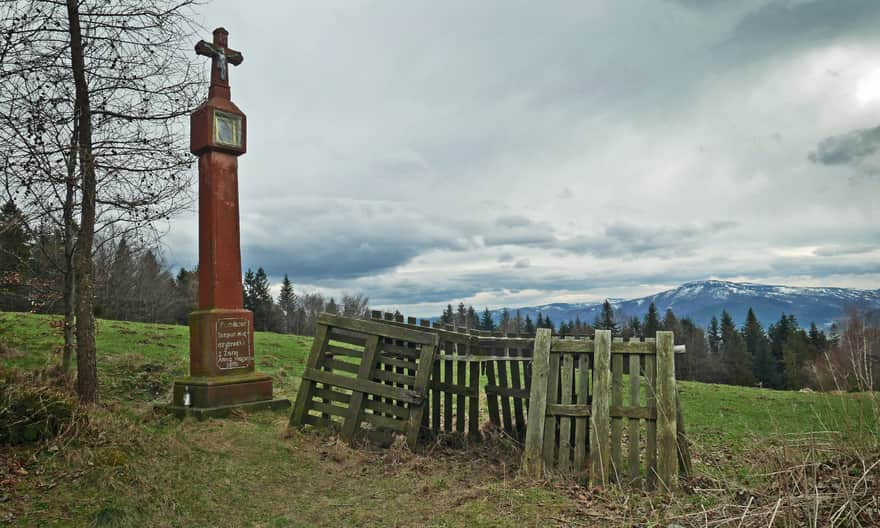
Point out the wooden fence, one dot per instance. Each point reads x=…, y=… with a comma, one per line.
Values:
x=578, y=393
x=579, y=405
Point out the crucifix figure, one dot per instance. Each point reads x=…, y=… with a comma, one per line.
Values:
x=221, y=55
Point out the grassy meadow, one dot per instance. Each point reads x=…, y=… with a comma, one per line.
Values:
x=761, y=457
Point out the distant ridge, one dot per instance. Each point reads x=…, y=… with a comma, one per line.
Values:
x=700, y=300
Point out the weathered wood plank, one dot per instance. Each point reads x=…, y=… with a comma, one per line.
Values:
x=360, y=385
x=567, y=381
x=368, y=364
x=395, y=362
x=447, y=396
x=349, y=338
x=533, y=453
x=460, y=411
x=390, y=409
x=306, y=387
x=492, y=394
x=344, y=366
x=506, y=416
x=582, y=424
x=516, y=384
x=667, y=438
x=377, y=328
x=616, y=423
x=551, y=423
x=332, y=410
x=423, y=376
x=394, y=377
x=392, y=350
x=508, y=391
x=633, y=423
x=577, y=346
x=600, y=432
x=651, y=426
x=332, y=395
x=474, y=401
x=332, y=350
x=435, y=397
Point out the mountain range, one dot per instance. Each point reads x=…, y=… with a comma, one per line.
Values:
x=701, y=300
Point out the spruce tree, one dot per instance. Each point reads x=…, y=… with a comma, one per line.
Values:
x=713, y=336
x=734, y=356
x=249, y=291
x=670, y=322
x=605, y=320
x=528, y=326
x=287, y=304
x=461, y=317
x=758, y=346
x=486, y=322
x=652, y=322
x=446, y=318
x=540, y=322
x=473, y=320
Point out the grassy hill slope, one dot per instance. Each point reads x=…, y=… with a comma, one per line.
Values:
x=130, y=467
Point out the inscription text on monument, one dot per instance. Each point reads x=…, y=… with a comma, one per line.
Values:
x=233, y=343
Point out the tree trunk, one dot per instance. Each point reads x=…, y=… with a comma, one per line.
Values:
x=86, y=361
x=69, y=257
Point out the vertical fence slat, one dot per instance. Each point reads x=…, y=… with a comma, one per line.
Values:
x=474, y=402
x=551, y=422
x=634, y=387
x=356, y=404
x=505, y=400
x=532, y=457
x=426, y=359
x=447, y=395
x=565, y=422
x=492, y=399
x=516, y=383
x=461, y=384
x=582, y=423
x=616, y=423
x=651, y=424
x=600, y=431
x=667, y=455
x=435, y=397
x=307, y=387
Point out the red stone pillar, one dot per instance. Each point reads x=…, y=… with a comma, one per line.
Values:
x=222, y=374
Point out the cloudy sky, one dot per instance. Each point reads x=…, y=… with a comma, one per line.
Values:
x=518, y=152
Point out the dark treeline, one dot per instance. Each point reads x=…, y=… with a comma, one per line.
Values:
x=782, y=356
x=133, y=283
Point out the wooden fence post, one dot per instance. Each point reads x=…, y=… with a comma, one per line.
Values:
x=600, y=432
x=667, y=446
x=532, y=457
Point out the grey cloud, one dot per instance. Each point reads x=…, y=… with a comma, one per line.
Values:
x=518, y=230
x=523, y=264
x=851, y=148
x=620, y=239
x=834, y=251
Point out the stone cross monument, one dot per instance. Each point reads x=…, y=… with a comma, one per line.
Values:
x=221, y=348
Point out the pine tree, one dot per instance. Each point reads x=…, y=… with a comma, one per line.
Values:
x=734, y=356
x=670, y=322
x=779, y=333
x=635, y=325
x=652, y=322
x=713, y=335
x=528, y=326
x=263, y=303
x=795, y=354
x=605, y=320
x=473, y=320
x=486, y=322
x=287, y=304
x=505, y=321
x=518, y=323
x=540, y=322
x=549, y=324
x=461, y=317
x=758, y=346
x=249, y=291
x=446, y=318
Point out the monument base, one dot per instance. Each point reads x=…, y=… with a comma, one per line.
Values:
x=222, y=411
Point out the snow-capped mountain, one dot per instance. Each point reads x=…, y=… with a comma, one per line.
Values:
x=702, y=299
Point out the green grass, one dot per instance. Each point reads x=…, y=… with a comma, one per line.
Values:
x=134, y=468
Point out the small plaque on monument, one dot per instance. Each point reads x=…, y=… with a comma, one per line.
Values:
x=233, y=344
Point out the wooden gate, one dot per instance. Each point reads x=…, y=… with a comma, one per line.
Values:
x=577, y=409
x=364, y=372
